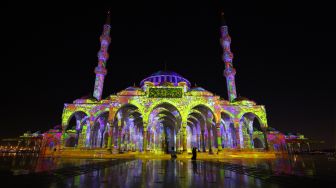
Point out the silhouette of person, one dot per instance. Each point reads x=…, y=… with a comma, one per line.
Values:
x=194, y=154
x=173, y=153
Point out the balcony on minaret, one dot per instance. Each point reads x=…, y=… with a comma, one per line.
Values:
x=229, y=72
x=100, y=70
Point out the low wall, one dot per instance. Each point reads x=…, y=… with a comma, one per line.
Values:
x=104, y=153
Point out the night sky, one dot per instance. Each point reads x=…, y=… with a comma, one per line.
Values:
x=282, y=54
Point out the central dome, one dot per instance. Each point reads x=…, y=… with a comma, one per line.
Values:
x=161, y=77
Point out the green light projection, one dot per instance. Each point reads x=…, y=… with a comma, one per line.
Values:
x=165, y=93
x=183, y=101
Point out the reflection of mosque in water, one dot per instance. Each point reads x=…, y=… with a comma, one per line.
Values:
x=184, y=173
x=165, y=112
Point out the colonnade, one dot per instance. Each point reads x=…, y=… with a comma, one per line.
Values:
x=127, y=131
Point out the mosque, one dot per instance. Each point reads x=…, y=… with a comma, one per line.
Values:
x=165, y=112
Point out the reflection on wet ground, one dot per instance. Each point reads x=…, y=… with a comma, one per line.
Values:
x=65, y=172
x=32, y=163
x=299, y=165
x=164, y=173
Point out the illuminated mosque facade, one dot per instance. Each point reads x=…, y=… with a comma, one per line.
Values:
x=165, y=111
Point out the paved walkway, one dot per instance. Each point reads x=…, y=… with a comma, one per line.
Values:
x=162, y=173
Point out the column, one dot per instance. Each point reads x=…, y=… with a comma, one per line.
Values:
x=202, y=140
x=78, y=131
x=265, y=137
x=198, y=141
x=246, y=135
x=82, y=137
x=210, y=140
x=119, y=138
x=183, y=132
x=144, y=138
x=177, y=142
x=87, y=134
x=63, y=138
x=91, y=138
x=175, y=139
x=250, y=127
x=184, y=139
x=110, y=141
x=110, y=138
x=181, y=140
x=79, y=139
x=219, y=137
x=237, y=132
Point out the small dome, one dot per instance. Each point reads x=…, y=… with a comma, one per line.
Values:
x=197, y=89
x=241, y=99
x=86, y=99
x=244, y=101
x=158, y=73
x=162, y=77
x=131, y=91
x=133, y=88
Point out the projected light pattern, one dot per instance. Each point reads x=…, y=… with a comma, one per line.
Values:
x=165, y=112
x=133, y=121
x=229, y=71
x=103, y=55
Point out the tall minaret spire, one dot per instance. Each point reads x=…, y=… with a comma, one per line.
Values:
x=103, y=55
x=229, y=71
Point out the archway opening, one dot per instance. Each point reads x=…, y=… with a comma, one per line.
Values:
x=250, y=128
x=164, y=131
x=99, y=131
x=127, y=129
x=74, y=128
x=227, y=131
x=258, y=144
x=71, y=141
x=204, y=134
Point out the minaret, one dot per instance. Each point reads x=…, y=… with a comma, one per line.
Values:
x=103, y=55
x=229, y=71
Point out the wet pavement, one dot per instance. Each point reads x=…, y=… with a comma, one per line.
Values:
x=32, y=163
x=153, y=173
x=187, y=173
x=62, y=172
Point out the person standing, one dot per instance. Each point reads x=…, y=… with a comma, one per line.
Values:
x=194, y=154
x=173, y=153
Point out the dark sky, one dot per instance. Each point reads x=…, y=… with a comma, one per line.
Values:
x=282, y=54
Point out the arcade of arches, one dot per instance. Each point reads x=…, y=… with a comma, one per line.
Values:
x=125, y=128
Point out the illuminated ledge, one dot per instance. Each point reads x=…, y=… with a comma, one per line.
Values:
x=104, y=154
